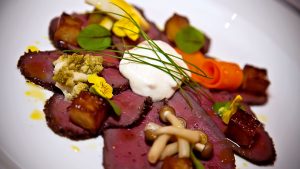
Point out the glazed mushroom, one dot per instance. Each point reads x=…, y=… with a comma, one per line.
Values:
x=206, y=150
x=158, y=145
x=149, y=131
x=167, y=114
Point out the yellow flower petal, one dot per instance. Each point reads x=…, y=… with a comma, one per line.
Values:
x=118, y=29
x=93, y=78
x=100, y=86
x=107, y=23
x=126, y=27
x=227, y=113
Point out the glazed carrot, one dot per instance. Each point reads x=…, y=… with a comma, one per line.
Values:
x=222, y=75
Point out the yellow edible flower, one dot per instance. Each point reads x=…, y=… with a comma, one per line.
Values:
x=125, y=27
x=228, y=112
x=107, y=23
x=100, y=86
x=116, y=9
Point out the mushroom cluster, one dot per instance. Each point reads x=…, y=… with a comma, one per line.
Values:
x=176, y=138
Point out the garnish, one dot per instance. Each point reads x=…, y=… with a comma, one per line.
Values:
x=223, y=75
x=107, y=23
x=70, y=72
x=124, y=27
x=100, y=87
x=189, y=39
x=32, y=48
x=174, y=24
x=94, y=37
x=226, y=109
x=197, y=163
x=117, y=9
x=185, y=138
x=103, y=89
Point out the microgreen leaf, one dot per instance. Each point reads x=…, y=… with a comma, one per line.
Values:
x=216, y=107
x=115, y=107
x=94, y=37
x=189, y=39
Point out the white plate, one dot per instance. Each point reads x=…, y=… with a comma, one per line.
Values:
x=263, y=33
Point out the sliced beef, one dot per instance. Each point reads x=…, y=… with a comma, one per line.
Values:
x=128, y=149
x=58, y=119
x=115, y=79
x=133, y=108
x=197, y=119
x=248, y=98
x=37, y=67
x=262, y=150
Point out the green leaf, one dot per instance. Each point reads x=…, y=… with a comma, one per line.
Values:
x=94, y=37
x=197, y=163
x=189, y=39
x=115, y=107
x=216, y=107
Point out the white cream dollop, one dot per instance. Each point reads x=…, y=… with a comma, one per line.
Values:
x=147, y=80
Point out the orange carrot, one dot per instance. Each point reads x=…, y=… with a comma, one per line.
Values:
x=222, y=75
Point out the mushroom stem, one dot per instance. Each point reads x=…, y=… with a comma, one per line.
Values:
x=157, y=147
x=184, y=148
x=199, y=147
x=167, y=114
x=183, y=145
x=193, y=136
x=169, y=150
x=174, y=120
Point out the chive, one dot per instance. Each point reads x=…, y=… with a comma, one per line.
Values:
x=197, y=163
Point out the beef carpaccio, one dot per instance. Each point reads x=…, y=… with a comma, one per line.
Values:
x=124, y=139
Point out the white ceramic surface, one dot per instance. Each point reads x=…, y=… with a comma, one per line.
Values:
x=263, y=33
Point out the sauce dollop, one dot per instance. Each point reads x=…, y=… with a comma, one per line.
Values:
x=148, y=80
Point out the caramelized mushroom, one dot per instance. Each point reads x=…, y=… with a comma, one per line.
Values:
x=149, y=131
